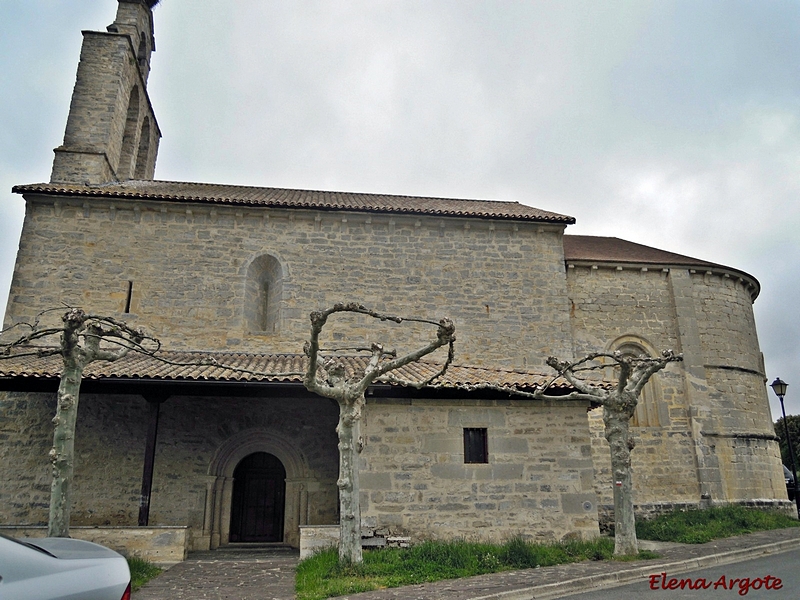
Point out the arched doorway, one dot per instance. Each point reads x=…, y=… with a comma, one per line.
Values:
x=300, y=485
x=258, y=502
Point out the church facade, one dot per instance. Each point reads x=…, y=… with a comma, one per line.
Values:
x=232, y=272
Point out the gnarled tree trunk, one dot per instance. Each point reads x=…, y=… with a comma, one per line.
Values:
x=62, y=453
x=80, y=338
x=619, y=404
x=349, y=394
x=348, y=431
x=617, y=413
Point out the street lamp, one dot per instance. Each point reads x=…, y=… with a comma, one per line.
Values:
x=779, y=387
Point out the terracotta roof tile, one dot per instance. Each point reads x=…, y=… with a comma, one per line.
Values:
x=594, y=249
x=278, y=368
x=287, y=198
x=611, y=249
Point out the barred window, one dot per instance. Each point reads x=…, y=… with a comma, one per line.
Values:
x=476, y=448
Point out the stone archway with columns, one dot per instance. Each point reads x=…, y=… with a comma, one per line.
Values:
x=219, y=484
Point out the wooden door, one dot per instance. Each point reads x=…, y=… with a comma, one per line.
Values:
x=259, y=490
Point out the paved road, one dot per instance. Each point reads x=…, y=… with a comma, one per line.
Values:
x=772, y=577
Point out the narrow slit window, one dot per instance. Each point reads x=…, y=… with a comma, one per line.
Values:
x=476, y=447
x=263, y=291
x=128, y=296
x=263, y=308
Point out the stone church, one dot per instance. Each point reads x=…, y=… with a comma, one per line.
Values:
x=232, y=272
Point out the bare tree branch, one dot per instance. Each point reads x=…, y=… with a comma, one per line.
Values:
x=7, y=347
x=445, y=335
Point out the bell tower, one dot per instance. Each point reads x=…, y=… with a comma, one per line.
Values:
x=112, y=133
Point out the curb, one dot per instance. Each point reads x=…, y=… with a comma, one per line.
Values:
x=611, y=580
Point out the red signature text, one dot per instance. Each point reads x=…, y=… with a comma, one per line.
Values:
x=741, y=584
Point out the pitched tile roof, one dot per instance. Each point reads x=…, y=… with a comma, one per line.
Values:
x=611, y=249
x=276, y=368
x=595, y=249
x=208, y=193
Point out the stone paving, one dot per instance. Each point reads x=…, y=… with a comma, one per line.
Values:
x=230, y=574
x=269, y=574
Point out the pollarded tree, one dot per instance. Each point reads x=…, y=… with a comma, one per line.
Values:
x=329, y=379
x=619, y=404
x=84, y=338
x=81, y=339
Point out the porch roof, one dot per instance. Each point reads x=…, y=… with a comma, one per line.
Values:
x=236, y=367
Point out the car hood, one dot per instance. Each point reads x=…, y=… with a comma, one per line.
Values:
x=70, y=549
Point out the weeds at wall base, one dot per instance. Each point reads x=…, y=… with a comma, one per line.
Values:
x=323, y=576
x=142, y=571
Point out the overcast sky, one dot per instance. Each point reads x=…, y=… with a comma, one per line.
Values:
x=673, y=124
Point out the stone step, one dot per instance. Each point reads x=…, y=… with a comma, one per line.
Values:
x=255, y=548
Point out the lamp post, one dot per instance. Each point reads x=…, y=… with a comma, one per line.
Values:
x=779, y=387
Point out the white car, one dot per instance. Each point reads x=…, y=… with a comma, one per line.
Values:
x=61, y=569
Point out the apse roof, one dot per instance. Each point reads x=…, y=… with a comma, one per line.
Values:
x=612, y=249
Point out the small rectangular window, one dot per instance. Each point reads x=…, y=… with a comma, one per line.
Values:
x=476, y=448
x=128, y=297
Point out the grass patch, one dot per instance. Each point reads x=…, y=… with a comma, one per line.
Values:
x=643, y=555
x=322, y=575
x=142, y=571
x=701, y=526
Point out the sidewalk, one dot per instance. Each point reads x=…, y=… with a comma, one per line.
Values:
x=229, y=574
x=233, y=575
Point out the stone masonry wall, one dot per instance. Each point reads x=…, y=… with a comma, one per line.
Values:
x=726, y=322
x=502, y=283
x=748, y=457
x=109, y=451
x=607, y=305
x=736, y=424
x=716, y=400
x=538, y=481
x=93, y=139
x=26, y=436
